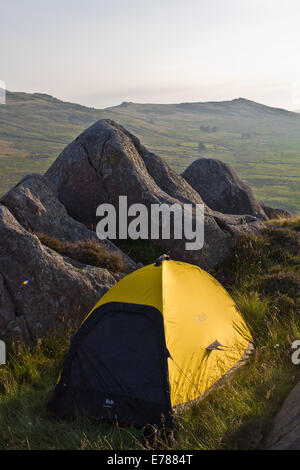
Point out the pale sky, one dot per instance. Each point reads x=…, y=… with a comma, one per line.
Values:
x=100, y=53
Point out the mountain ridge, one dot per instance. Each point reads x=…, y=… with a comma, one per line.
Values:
x=234, y=101
x=240, y=100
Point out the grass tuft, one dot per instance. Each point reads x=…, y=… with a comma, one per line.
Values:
x=87, y=252
x=290, y=222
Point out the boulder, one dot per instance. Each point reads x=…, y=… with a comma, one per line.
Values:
x=272, y=213
x=58, y=290
x=285, y=434
x=107, y=161
x=221, y=188
x=166, y=178
x=35, y=205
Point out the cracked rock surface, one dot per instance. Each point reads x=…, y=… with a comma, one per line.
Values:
x=60, y=290
x=35, y=205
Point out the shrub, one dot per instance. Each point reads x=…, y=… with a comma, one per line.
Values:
x=283, y=243
x=285, y=304
x=262, y=253
x=284, y=283
x=86, y=252
x=248, y=247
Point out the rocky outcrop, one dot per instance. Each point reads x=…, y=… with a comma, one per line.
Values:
x=221, y=188
x=272, y=213
x=58, y=292
x=106, y=161
x=35, y=205
x=285, y=434
x=166, y=178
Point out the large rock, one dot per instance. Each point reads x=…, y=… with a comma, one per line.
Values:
x=285, y=434
x=106, y=161
x=60, y=290
x=166, y=178
x=221, y=188
x=272, y=213
x=34, y=203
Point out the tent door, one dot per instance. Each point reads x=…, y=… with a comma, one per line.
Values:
x=119, y=371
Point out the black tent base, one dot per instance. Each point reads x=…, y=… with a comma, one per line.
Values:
x=68, y=404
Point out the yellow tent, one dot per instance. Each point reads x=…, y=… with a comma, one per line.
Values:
x=159, y=338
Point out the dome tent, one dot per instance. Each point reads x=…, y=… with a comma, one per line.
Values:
x=159, y=338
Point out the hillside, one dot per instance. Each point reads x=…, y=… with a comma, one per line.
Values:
x=236, y=415
x=261, y=143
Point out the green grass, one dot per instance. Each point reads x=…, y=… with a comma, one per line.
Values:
x=292, y=223
x=25, y=385
x=236, y=415
x=35, y=128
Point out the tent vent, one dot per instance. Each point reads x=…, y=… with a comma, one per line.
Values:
x=215, y=346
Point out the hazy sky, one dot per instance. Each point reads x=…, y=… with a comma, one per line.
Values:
x=101, y=53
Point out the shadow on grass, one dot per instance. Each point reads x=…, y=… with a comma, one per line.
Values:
x=25, y=424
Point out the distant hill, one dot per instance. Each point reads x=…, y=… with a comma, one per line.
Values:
x=260, y=142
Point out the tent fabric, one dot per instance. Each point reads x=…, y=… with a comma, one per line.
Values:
x=116, y=367
x=159, y=338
